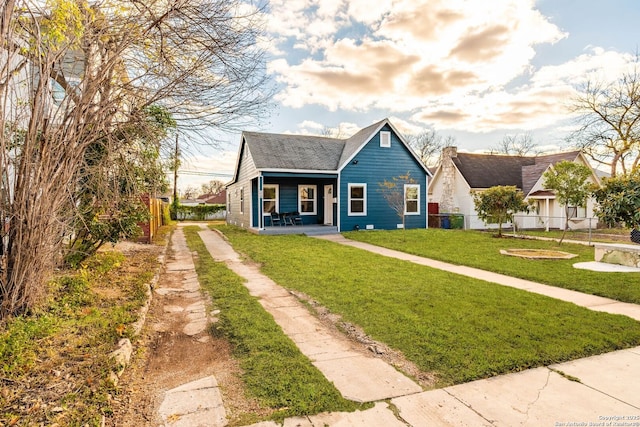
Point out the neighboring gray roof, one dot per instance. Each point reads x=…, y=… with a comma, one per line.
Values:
x=488, y=170
x=531, y=174
x=280, y=151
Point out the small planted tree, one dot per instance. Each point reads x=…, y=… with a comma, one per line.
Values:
x=569, y=182
x=498, y=204
x=400, y=193
x=618, y=201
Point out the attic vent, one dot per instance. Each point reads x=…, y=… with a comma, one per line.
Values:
x=385, y=139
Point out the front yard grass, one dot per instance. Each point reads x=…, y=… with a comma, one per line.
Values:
x=458, y=328
x=482, y=250
x=275, y=371
x=602, y=235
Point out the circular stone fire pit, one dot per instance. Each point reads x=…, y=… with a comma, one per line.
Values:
x=537, y=253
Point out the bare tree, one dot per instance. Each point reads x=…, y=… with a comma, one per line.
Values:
x=428, y=145
x=516, y=145
x=212, y=187
x=401, y=194
x=190, y=192
x=75, y=75
x=609, y=121
x=329, y=132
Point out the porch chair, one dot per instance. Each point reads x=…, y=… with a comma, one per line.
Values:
x=275, y=219
x=296, y=219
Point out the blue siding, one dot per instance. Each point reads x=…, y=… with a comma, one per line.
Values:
x=288, y=187
x=374, y=165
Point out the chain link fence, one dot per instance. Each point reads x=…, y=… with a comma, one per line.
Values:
x=520, y=224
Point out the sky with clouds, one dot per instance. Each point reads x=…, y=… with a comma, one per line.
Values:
x=473, y=70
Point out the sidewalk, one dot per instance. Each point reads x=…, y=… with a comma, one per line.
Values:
x=591, y=390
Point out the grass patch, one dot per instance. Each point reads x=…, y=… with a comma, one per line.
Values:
x=602, y=235
x=481, y=250
x=275, y=372
x=55, y=361
x=460, y=328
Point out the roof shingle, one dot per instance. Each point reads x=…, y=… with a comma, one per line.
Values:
x=295, y=152
x=489, y=170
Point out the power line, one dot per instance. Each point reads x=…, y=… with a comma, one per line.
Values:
x=200, y=173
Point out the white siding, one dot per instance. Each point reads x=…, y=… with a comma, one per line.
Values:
x=246, y=173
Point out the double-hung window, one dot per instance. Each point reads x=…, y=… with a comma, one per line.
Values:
x=270, y=199
x=577, y=211
x=412, y=199
x=357, y=199
x=307, y=199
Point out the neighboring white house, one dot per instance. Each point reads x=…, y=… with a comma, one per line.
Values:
x=461, y=174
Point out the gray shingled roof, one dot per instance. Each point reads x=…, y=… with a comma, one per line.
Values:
x=295, y=152
x=531, y=175
x=303, y=152
x=488, y=170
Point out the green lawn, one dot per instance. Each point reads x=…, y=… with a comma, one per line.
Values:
x=459, y=328
x=274, y=370
x=482, y=250
x=604, y=235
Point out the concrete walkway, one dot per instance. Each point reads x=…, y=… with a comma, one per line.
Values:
x=359, y=377
x=600, y=390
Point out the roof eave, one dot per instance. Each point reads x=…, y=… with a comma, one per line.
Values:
x=318, y=171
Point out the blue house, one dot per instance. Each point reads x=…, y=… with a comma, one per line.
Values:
x=330, y=184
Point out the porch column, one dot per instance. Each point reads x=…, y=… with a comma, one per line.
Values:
x=547, y=213
x=338, y=193
x=260, y=201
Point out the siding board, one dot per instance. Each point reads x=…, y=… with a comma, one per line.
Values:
x=374, y=165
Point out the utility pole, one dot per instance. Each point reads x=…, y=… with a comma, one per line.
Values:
x=175, y=170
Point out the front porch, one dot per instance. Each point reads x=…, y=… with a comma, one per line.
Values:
x=310, y=196
x=309, y=230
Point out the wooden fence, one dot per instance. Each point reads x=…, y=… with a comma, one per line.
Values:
x=150, y=228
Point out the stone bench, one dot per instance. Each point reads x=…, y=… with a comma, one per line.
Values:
x=618, y=253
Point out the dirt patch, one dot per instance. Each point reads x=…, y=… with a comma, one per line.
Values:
x=537, y=253
x=166, y=357
x=366, y=344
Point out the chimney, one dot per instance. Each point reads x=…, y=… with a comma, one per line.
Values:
x=448, y=179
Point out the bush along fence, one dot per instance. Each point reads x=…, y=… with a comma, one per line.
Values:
x=158, y=211
x=201, y=212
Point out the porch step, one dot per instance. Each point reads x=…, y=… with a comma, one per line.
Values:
x=309, y=230
x=321, y=231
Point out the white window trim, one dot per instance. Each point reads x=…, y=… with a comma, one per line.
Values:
x=406, y=186
x=315, y=199
x=364, y=199
x=385, y=139
x=581, y=212
x=277, y=199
